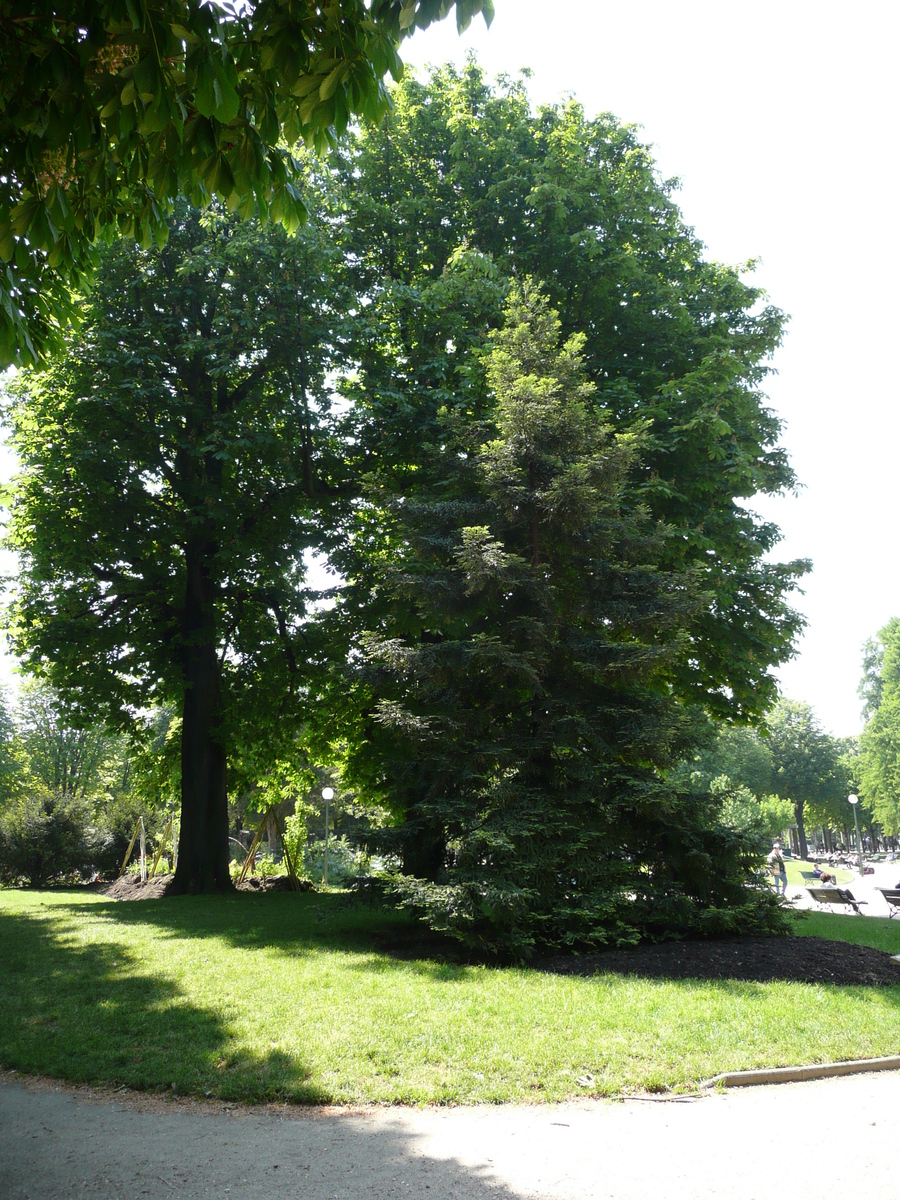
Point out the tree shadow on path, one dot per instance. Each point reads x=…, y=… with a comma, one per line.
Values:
x=56, y=1145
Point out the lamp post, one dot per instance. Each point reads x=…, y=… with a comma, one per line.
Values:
x=327, y=796
x=854, y=800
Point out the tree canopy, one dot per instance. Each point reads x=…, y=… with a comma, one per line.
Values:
x=535, y=482
x=879, y=761
x=808, y=767
x=109, y=110
x=174, y=471
x=464, y=186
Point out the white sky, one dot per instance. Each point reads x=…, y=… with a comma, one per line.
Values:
x=781, y=121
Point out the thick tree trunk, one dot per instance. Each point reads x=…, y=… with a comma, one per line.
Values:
x=203, y=839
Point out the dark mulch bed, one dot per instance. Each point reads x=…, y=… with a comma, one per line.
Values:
x=273, y=883
x=129, y=887
x=750, y=959
x=757, y=960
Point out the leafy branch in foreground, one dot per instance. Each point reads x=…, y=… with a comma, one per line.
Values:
x=110, y=110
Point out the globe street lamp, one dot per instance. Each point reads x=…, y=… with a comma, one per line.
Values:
x=854, y=800
x=327, y=796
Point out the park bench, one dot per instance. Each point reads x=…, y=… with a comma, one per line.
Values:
x=835, y=895
x=892, y=895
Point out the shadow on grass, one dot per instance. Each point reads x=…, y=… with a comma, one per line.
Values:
x=299, y=925
x=291, y=924
x=95, y=1013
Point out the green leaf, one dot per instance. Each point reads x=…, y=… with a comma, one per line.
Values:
x=7, y=242
x=330, y=83
x=205, y=88
x=183, y=34
x=227, y=102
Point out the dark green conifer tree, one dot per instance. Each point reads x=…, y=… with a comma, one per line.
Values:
x=521, y=711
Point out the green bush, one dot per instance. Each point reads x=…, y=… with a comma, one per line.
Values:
x=264, y=865
x=345, y=861
x=44, y=837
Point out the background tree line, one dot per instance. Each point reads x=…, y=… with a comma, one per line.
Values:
x=71, y=796
x=71, y=793
x=787, y=773
x=879, y=748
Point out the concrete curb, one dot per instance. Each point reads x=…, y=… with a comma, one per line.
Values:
x=854, y=1066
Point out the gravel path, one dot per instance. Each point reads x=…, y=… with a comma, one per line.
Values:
x=834, y=1137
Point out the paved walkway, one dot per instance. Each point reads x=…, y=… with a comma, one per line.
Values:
x=836, y=1137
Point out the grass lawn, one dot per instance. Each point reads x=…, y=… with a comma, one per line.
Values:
x=800, y=874
x=881, y=932
x=281, y=996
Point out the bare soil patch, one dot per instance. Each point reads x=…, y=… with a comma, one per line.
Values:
x=129, y=887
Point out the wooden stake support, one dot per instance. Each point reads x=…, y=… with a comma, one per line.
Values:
x=295, y=882
x=272, y=811
x=161, y=846
x=137, y=829
x=254, y=845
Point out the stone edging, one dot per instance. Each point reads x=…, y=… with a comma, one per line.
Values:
x=794, y=1074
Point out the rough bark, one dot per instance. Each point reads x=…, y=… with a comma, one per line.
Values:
x=203, y=839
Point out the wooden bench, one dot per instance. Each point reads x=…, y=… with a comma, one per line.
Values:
x=835, y=895
x=892, y=895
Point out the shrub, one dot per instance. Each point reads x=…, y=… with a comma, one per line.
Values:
x=44, y=837
x=345, y=862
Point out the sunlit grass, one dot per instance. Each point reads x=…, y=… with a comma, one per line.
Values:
x=800, y=874
x=284, y=996
x=881, y=932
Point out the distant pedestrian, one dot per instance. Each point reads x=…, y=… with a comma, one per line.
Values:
x=778, y=869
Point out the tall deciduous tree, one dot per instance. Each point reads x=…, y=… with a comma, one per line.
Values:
x=808, y=769
x=741, y=755
x=463, y=168
x=11, y=758
x=879, y=761
x=109, y=110
x=737, y=768
x=171, y=463
x=62, y=759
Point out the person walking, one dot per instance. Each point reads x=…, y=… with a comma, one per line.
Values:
x=778, y=869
